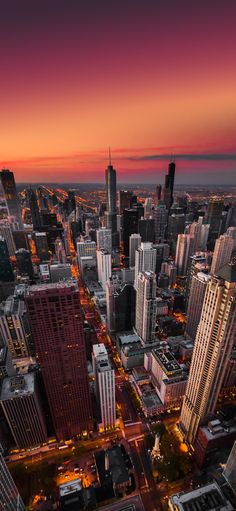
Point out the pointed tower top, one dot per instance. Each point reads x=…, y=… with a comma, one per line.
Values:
x=109, y=156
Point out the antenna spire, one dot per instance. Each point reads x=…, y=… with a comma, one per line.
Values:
x=109, y=156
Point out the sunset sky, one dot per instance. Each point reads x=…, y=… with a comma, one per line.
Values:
x=149, y=78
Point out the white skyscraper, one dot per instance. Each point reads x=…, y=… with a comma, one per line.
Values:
x=105, y=386
x=222, y=253
x=146, y=306
x=183, y=252
x=134, y=243
x=196, y=297
x=104, y=239
x=231, y=231
x=195, y=232
x=148, y=207
x=212, y=350
x=10, y=499
x=104, y=267
x=145, y=260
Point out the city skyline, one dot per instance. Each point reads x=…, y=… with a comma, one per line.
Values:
x=149, y=83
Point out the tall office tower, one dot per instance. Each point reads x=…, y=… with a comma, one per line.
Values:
x=167, y=191
x=57, y=328
x=222, y=253
x=183, y=252
x=121, y=301
x=212, y=350
x=163, y=252
x=21, y=406
x=10, y=193
x=160, y=215
x=24, y=263
x=231, y=231
x=198, y=263
x=104, y=267
x=230, y=468
x=196, y=298
x=41, y=243
x=21, y=240
x=146, y=307
x=169, y=269
x=146, y=229
x=134, y=244
x=34, y=209
x=148, y=207
x=111, y=196
x=158, y=194
x=145, y=260
x=194, y=230
x=124, y=200
x=105, y=386
x=14, y=327
x=60, y=251
x=213, y=218
x=130, y=226
x=204, y=236
x=86, y=248
x=176, y=226
x=10, y=499
x=6, y=271
x=6, y=365
x=6, y=233
x=104, y=239
x=71, y=201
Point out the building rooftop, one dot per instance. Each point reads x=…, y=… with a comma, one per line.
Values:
x=70, y=487
x=168, y=362
x=150, y=399
x=206, y=498
x=116, y=469
x=228, y=272
x=47, y=288
x=17, y=386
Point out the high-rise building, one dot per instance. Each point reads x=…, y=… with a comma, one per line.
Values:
x=60, y=272
x=57, y=328
x=104, y=239
x=60, y=251
x=121, y=302
x=24, y=263
x=222, y=253
x=6, y=271
x=130, y=226
x=148, y=207
x=124, y=200
x=104, y=267
x=145, y=260
x=10, y=193
x=196, y=298
x=146, y=229
x=85, y=249
x=21, y=406
x=6, y=365
x=183, y=252
x=134, y=244
x=213, y=218
x=111, y=196
x=230, y=468
x=176, y=226
x=10, y=499
x=167, y=192
x=212, y=350
x=6, y=233
x=231, y=231
x=160, y=215
x=194, y=230
x=34, y=209
x=105, y=386
x=158, y=194
x=146, y=307
x=14, y=327
x=41, y=243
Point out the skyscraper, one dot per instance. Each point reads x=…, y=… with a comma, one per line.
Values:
x=104, y=267
x=104, y=239
x=196, y=298
x=148, y=207
x=230, y=468
x=212, y=351
x=183, y=252
x=6, y=233
x=105, y=386
x=124, y=200
x=14, y=327
x=10, y=193
x=145, y=260
x=167, y=192
x=214, y=214
x=24, y=263
x=10, y=499
x=6, y=272
x=134, y=244
x=222, y=253
x=34, y=209
x=146, y=229
x=146, y=307
x=130, y=226
x=23, y=411
x=111, y=196
x=57, y=327
x=160, y=215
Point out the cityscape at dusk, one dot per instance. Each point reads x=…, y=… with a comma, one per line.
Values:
x=118, y=256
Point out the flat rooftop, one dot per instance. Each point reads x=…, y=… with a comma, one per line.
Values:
x=168, y=362
x=47, y=288
x=129, y=504
x=150, y=399
x=71, y=487
x=206, y=498
x=17, y=386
